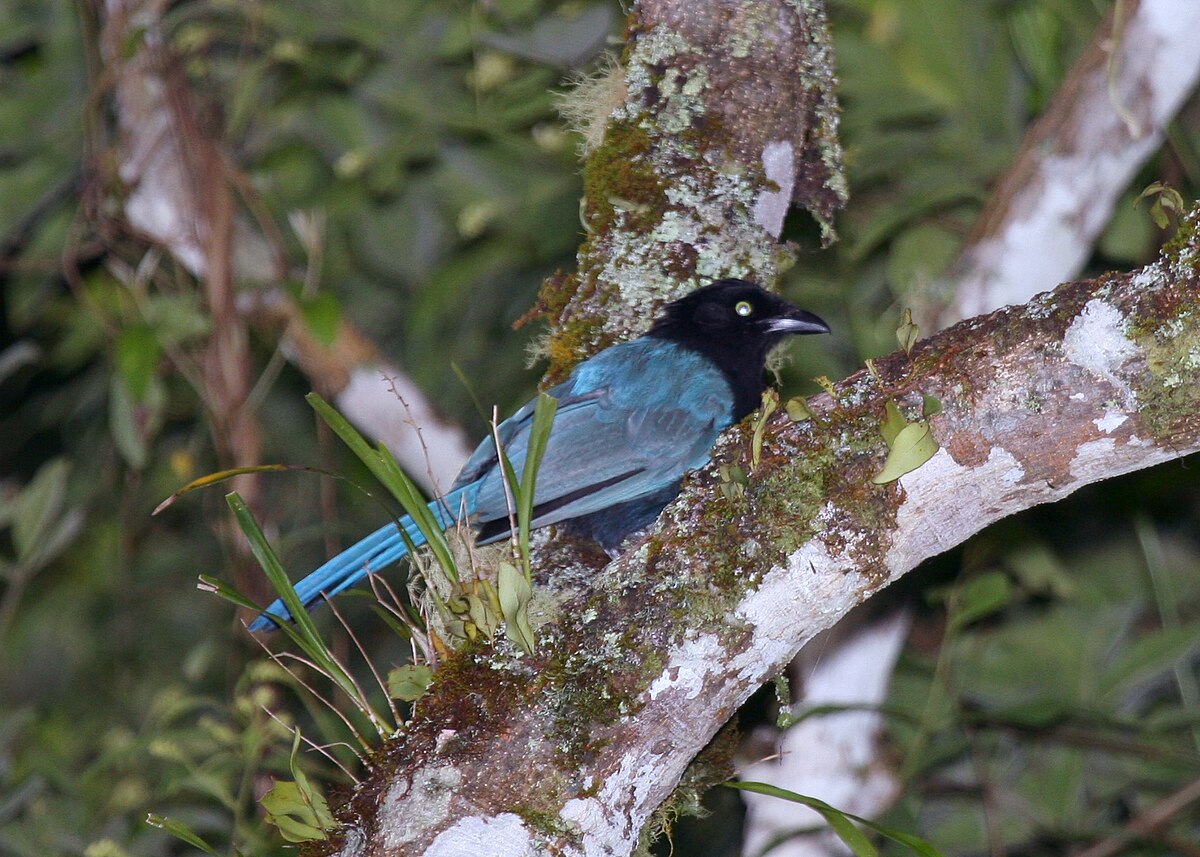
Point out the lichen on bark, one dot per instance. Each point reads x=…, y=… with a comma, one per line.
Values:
x=672, y=192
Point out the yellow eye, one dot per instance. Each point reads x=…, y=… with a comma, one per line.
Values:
x=743, y=308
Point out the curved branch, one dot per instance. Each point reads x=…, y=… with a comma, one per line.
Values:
x=1107, y=118
x=636, y=671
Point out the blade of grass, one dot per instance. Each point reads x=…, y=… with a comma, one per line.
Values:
x=384, y=467
x=840, y=821
x=211, y=479
x=304, y=632
x=539, y=437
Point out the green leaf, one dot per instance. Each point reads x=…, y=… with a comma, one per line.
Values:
x=907, y=333
x=770, y=403
x=297, y=809
x=1149, y=656
x=222, y=475
x=177, y=319
x=931, y=406
x=137, y=356
x=294, y=816
x=310, y=794
x=123, y=425
x=180, y=831
x=913, y=446
x=1166, y=198
x=840, y=822
x=837, y=820
x=981, y=596
x=384, y=467
x=322, y=315
x=539, y=437
x=515, y=593
x=733, y=481
x=893, y=423
x=797, y=409
x=218, y=587
x=303, y=633
x=38, y=506
x=409, y=682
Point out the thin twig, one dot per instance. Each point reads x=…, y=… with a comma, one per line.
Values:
x=278, y=657
x=295, y=730
x=1145, y=824
x=370, y=665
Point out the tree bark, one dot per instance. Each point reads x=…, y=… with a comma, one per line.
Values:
x=1038, y=229
x=729, y=118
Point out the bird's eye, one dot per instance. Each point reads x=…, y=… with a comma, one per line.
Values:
x=743, y=308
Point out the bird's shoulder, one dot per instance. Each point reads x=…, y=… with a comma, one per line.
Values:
x=651, y=372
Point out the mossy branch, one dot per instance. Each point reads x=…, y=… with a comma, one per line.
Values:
x=641, y=663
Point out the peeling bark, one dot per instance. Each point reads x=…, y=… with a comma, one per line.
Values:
x=637, y=668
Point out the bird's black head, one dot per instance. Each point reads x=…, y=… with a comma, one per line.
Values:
x=735, y=323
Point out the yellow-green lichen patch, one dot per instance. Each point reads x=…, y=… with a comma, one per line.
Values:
x=1172, y=351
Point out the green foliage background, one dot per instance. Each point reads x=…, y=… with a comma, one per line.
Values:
x=1049, y=692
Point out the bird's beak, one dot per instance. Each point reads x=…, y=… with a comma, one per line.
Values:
x=798, y=321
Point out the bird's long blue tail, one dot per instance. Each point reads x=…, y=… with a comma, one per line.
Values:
x=378, y=550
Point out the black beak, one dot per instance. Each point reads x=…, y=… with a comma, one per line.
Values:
x=798, y=321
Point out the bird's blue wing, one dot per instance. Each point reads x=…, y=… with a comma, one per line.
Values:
x=631, y=422
x=484, y=459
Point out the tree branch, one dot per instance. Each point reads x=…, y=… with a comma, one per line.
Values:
x=181, y=185
x=1107, y=118
x=641, y=664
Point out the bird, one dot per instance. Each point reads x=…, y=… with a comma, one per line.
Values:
x=630, y=422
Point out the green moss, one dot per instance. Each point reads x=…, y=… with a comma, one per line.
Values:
x=1184, y=243
x=620, y=181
